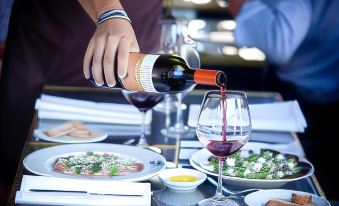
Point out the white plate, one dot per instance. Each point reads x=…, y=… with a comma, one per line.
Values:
x=166, y=174
x=41, y=162
x=201, y=157
x=260, y=198
x=70, y=139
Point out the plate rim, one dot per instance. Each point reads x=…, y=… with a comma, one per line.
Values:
x=68, y=147
x=38, y=133
x=241, y=179
x=268, y=191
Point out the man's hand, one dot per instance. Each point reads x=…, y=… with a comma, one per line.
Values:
x=114, y=38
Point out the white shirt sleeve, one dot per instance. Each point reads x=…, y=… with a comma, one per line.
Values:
x=277, y=27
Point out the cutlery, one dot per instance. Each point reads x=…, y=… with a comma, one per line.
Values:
x=228, y=191
x=156, y=162
x=128, y=142
x=149, y=147
x=84, y=192
x=154, y=149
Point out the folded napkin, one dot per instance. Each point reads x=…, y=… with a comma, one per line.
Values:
x=281, y=116
x=61, y=108
x=118, y=130
x=119, y=192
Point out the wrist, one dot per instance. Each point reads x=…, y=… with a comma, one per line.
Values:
x=95, y=8
x=113, y=13
x=106, y=6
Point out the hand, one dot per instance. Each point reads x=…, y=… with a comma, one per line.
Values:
x=114, y=38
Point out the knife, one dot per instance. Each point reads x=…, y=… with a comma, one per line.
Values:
x=83, y=192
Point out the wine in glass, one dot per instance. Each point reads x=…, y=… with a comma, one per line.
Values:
x=144, y=101
x=224, y=126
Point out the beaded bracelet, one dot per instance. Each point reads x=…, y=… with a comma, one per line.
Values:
x=114, y=13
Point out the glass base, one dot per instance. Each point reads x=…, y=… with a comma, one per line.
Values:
x=171, y=104
x=183, y=132
x=218, y=201
x=142, y=142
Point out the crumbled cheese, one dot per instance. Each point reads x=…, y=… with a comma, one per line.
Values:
x=261, y=160
x=280, y=157
x=257, y=167
x=247, y=171
x=291, y=164
x=280, y=174
x=230, y=162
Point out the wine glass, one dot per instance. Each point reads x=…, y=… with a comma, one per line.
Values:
x=175, y=40
x=143, y=101
x=188, y=53
x=224, y=126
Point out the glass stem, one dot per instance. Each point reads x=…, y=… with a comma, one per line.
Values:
x=167, y=110
x=219, y=187
x=179, y=123
x=142, y=139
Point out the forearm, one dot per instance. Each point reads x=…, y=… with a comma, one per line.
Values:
x=277, y=28
x=95, y=8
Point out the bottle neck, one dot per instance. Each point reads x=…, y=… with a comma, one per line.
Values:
x=209, y=77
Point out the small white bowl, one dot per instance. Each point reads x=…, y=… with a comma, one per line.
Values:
x=165, y=176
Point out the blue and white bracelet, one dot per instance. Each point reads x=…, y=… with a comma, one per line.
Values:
x=114, y=13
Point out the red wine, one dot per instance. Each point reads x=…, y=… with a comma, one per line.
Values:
x=223, y=148
x=164, y=74
x=224, y=109
x=144, y=101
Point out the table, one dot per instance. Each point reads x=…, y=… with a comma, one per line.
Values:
x=170, y=147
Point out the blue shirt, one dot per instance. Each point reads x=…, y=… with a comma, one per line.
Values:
x=5, y=10
x=301, y=37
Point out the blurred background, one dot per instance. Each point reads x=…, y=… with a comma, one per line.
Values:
x=212, y=27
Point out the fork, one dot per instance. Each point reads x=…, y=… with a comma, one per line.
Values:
x=233, y=194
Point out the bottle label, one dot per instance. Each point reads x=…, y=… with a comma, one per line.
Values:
x=143, y=72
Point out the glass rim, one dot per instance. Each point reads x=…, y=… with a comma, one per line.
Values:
x=217, y=94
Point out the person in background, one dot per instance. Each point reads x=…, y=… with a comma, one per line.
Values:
x=5, y=10
x=300, y=39
x=46, y=45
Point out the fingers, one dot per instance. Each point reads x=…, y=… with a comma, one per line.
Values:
x=126, y=46
x=97, y=73
x=88, y=59
x=109, y=59
x=112, y=39
x=123, y=53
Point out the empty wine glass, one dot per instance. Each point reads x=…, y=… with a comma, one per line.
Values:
x=168, y=45
x=175, y=40
x=143, y=101
x=224, y=126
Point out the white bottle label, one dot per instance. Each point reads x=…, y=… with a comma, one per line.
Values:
x=143, y=72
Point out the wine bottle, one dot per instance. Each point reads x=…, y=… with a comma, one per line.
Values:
x=163, y=73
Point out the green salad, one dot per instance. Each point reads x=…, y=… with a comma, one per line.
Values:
x=266, y=165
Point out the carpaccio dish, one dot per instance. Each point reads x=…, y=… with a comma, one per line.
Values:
x=97, y=164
